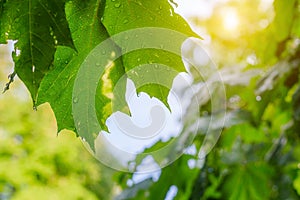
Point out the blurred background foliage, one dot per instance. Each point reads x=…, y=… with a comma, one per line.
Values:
x=256, y=45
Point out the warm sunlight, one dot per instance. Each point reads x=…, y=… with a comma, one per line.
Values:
x=230, y=20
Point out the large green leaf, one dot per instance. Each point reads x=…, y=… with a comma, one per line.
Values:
x=57, y=87
x=120, y=16
x=38, y=26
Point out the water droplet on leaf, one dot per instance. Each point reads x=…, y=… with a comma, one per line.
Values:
x=117, y=5
x=75, y=100
x=113, y=54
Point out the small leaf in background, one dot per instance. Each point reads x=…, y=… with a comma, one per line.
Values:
x=296, y=183
x=296, y=105
x=250, y=181
x=177, y=174
x=282, y=23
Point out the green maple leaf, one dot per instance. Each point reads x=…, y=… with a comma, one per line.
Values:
x=57, y=86
x=39, y=26
x=120, y=16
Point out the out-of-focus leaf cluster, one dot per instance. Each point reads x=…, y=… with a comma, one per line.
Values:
x=257, y=156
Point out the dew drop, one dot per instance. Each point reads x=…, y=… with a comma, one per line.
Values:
x=75, y=100
x=98, y=64
x=125, y=21
x=113, y=54
x=117, y=5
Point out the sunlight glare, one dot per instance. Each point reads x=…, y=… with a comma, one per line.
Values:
x=230, y=20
